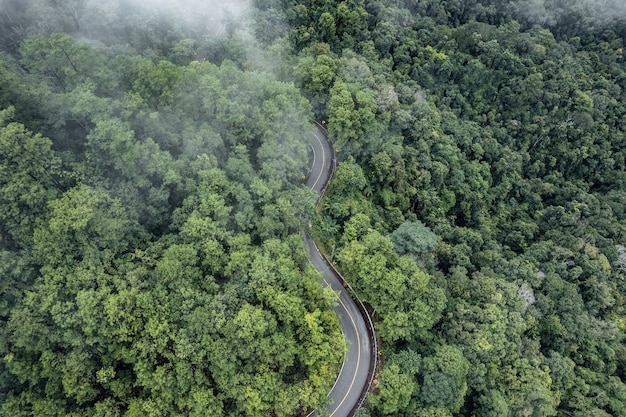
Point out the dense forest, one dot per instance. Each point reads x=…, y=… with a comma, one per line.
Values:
x=151, y=203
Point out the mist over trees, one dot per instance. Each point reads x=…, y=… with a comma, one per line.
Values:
x=151, y=163
x=484, y=142
x=151, y=198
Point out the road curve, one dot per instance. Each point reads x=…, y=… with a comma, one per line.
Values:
x=354, y=378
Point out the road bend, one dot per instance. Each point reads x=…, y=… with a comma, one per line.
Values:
x=353, y=379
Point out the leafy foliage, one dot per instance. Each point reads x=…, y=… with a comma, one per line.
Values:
x=496, y=163
x=478, y=207
x=150, y=251
x=413, y=238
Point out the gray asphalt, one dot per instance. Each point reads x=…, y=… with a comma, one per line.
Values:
x=353, y=378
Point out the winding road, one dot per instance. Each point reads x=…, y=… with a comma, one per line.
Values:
x=355, y=377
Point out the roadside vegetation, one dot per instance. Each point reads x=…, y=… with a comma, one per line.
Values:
x=479, y=200
x=151, y=195
x=150, y=254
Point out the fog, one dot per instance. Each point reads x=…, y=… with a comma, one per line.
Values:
x=606, y=9
x=118, y=21
x=211, y=15
x=549, y=12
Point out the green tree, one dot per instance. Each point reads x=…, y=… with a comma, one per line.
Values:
x=155, y=83
x=433, y=412
x=491, y=404
x=444, y=378
x=85, y=224
x=327, y=27
x=413, y=238
x=341, y=109
x=401, y=292
x=58, y=57
x=395, y=391
x=31, y=175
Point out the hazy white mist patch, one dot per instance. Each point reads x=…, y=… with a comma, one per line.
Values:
x=129, y=26
x=548, y=12
x=110, y=21
x=609, y=9
x=203, y=17
x=212, y=10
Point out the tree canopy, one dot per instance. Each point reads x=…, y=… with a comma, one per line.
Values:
x=149, y=228
x=481, y=145
x=150, y=208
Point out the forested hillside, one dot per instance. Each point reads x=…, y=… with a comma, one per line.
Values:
x=151, y=198
x=151, y=195
x=479, y=204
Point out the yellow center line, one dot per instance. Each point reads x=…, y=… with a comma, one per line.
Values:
x=323, y=161
x=358, y=336
x=358, y=358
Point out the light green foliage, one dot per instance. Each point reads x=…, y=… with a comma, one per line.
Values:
x=362, y=412
x=155, y=83
x=395, y=391
x=316, y=70
x=492, y=404
x=408, y=360
x=58, y=57
x=85, y=223
x=327, y=27
x=184, y=52
x=349, y=178
x=352, y=122
x=30, y=177
x=341, y=108
x=150, y=246
x=444, y=376
x=322, y=73
x=433, y=412
x=399, y=290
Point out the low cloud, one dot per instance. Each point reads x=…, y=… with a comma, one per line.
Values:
x=113, y=21
x=572, y=12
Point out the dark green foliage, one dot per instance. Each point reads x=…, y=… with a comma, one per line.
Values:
x=498, y=126
x=413, y=238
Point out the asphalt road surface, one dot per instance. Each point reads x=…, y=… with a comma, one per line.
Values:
x=353, y=378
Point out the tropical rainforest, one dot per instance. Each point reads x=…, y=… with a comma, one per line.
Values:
x=152, y=205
